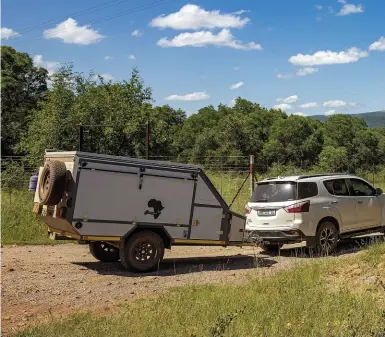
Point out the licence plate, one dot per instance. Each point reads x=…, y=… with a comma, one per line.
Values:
x=266, y=212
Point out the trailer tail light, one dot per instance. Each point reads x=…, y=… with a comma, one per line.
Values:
x=247, y=209
x=300, y=207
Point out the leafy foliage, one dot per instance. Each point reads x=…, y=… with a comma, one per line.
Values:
x=22, y=86
x=39, y=118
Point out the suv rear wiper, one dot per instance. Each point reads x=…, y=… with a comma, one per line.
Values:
x=261, y=200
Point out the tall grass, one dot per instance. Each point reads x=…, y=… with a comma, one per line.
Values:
x=293, y=303
x=19, y=225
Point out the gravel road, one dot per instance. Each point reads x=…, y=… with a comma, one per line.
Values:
x=41, y=283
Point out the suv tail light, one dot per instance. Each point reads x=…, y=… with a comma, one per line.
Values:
x=300, y=207
x=247, y=209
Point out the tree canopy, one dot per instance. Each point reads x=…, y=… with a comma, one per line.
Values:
x=22, y=86
x=36, y=117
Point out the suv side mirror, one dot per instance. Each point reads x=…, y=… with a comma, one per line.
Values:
x=378, y=191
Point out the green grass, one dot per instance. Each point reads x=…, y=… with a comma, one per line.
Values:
x=293, y=303
x=19, y=225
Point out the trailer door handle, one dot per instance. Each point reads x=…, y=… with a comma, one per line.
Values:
x=359, y=202
x=334, y=202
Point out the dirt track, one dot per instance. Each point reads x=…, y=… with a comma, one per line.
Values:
x=40, y=283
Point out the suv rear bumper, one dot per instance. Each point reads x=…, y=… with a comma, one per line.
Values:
x=275, y=236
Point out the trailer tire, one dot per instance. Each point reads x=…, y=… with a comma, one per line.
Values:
x=142, y=252
x=53, y=181
x=104, y=252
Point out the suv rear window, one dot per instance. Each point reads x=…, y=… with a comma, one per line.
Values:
x=274, y=191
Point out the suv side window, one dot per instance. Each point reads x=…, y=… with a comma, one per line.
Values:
x=307, y=190
x=337, y=187
x=361, y=188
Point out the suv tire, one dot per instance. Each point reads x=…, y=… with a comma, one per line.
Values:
x=326, y=238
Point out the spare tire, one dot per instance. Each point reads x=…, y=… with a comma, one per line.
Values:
x=52, y=182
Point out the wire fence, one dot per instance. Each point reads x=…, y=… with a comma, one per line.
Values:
x=230, y=174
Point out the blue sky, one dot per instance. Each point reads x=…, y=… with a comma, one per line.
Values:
x=307, y=57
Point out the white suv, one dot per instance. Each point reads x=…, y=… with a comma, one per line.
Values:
x=319, y=209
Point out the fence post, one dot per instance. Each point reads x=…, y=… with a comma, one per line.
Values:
x=251, y=174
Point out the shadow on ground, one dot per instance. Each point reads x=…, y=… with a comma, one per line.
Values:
x=179, y=266
x=346, y=246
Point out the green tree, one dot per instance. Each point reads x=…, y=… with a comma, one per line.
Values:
x=366, y=150
x=78, y=100
x=295, y=140
x=333, y=159
x=22, y=85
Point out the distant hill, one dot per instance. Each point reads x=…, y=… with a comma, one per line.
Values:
x=375, y=119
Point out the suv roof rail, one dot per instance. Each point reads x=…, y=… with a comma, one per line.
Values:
x=322, y=175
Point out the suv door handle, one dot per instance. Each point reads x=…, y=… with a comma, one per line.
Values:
x=334, y=202
x=359, y=202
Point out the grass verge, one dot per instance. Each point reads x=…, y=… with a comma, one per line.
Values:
x=294, y=303
x=19, y=225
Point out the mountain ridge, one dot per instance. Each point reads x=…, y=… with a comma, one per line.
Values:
x=374, y=119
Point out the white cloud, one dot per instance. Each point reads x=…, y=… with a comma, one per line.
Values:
x=284, y=76
x=107, y=58
x=51, y=66
x=236, y=85
x=232, y=102
x=378, y=45
x=300, y=72
x=340, y=104
x=298, y=114
x=137, y=33
x=306, y=71
x=282, y=107
x=335, y=104
x=195, y=96
x=70, y=32
x=309, y=105
x=349, y=8
x=328, y=57
x=107, y=77
x=330, y=112
x=205, y=38
x=290, y=99
x=319, y=7
x=194, y=17
x=240, y=12
x=236, y=68
x=131, y=57
x=7, y=33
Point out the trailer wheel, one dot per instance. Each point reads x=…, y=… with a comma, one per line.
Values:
x=142, y=252
x=52, y=184
x=104, y=252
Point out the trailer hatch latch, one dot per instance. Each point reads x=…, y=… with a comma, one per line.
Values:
x=141, y=170
x=140, y=181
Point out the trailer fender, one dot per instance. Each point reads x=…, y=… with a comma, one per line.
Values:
x=167, y=240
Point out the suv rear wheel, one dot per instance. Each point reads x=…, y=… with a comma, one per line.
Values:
x=326, y=238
